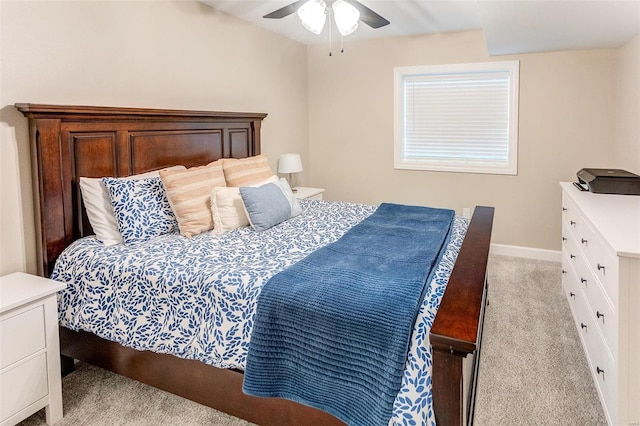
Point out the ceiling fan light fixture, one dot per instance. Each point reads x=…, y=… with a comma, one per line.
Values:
x=313, y=15
x=346, y=17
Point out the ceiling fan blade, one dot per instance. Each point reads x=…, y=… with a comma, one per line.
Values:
x=285, y=11
x=368, y=16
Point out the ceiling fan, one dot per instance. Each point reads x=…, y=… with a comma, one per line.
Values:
x=346, y=14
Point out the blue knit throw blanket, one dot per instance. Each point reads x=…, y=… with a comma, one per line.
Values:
x=333, y=330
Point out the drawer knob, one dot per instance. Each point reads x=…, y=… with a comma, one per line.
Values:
x=600, y=267
x=599, y=371
x=583, y=280
x=572, y=294
x=583, y=241
x=564, y=209
x=564, y=272
x=583, y=325
x=572, y=256
x=572, y=222
x=599, y=315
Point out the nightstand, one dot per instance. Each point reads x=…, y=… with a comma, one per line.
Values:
x=308, y=193
x=29, y=348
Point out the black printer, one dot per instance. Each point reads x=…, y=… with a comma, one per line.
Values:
x=609, y=181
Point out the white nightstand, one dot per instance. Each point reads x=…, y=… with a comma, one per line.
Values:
x=308, y=193
x=29, y=348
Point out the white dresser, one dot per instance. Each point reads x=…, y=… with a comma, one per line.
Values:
x=29, y=348
x=601, y=279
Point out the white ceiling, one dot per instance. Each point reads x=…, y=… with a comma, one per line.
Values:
x=510, y=26
x=536, y=26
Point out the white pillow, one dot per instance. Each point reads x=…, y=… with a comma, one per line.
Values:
x=99, y=210
x=227, y=208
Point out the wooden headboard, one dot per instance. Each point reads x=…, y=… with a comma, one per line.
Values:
x=68, y=142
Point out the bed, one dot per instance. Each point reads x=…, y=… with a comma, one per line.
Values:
x=73, y=141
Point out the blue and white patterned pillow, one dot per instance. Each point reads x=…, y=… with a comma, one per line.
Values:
x=141, y=208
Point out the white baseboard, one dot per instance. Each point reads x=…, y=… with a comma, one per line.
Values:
x=528, y=252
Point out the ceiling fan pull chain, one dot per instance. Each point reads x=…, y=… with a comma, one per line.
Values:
x=328, y=12
x=341, y=43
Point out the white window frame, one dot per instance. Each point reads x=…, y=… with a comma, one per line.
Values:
x=509, y=167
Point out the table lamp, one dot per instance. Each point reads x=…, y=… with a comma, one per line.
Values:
x=290, y=163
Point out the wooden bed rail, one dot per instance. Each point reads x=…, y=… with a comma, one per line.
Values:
x=457, y=329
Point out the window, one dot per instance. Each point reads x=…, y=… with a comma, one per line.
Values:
x=461, y=118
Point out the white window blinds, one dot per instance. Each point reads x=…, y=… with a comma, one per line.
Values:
x=457, y=117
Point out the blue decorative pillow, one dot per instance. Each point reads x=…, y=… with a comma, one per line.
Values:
x=141, y=208
x=269, y=204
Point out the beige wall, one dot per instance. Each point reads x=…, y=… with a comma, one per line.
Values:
x=180, y=55
x=336, y=111
x=567, y=103
x=627, y=128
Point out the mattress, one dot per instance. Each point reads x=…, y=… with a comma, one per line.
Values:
x=195, y=298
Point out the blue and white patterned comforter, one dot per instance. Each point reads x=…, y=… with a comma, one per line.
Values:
x=195, y=298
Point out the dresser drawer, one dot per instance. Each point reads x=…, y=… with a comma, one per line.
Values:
x=569, y=283
x=602, y=365
x=571, y=248
x=571, y=215
x=21, y=335
x=584, y=323
x=604, y=371
x=602, y=313
x=23, y=385
x=603, y=263
x=568, y=238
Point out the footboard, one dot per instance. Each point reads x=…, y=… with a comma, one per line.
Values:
x=457, y=329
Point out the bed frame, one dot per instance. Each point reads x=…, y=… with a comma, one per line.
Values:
x=72, y=141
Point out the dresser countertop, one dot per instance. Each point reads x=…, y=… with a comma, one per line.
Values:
x=617, y=217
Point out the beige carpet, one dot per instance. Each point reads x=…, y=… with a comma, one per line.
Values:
x=532, y=371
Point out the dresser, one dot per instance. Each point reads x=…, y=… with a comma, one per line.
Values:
x=601, y=280
x=29, y=348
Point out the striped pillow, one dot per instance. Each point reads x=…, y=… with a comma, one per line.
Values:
x=246, y=171
x=189, y=193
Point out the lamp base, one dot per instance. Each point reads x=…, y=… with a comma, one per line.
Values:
x=289, y=182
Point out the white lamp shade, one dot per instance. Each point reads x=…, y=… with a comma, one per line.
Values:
x=290, y=163
x=313, y=15
x=346, y=17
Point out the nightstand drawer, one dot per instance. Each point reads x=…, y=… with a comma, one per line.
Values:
x=23, y=385
x=21, y=335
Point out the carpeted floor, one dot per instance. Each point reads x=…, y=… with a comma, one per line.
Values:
x=532, y=370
